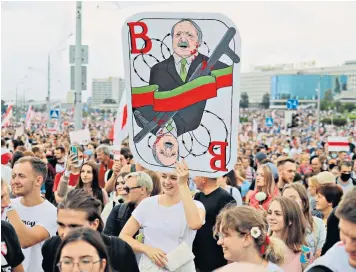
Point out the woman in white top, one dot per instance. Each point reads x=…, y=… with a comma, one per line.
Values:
x=228, y=183
x=242, y=233
x=167, y=221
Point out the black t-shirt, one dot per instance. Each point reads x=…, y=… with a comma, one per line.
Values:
x=11, y=253
x=122, y=258
x=208, y=255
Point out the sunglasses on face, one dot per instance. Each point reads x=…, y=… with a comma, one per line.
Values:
x=128, y=189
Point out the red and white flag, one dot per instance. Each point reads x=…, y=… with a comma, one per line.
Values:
x=29, y=115
x=338, y=144
x=7, y=117
x=120, y=130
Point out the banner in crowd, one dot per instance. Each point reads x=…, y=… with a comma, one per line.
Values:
x=5, y=122
x=338, y=144
x=182, y=79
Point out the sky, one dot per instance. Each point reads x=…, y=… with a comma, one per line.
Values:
x=271, y=33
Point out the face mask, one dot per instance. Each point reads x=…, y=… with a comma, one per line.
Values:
x=345, y=177
x=334, y=155
x=331, y=166
x=80, y=163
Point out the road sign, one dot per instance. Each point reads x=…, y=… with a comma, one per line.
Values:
x=292, y=104
x=269, y=122
x=84, y=54
x=84, y=78
x=54, y=114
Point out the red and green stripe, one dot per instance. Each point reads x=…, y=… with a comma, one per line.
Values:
x=200, y=89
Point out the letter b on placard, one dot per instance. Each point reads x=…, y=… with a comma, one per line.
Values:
x=142, y=35
x=218, y=157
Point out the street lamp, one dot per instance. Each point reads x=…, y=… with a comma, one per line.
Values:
x=318, y=111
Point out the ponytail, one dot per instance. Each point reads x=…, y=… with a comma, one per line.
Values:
x=275, y=251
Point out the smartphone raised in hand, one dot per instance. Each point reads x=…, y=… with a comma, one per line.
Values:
x=74, y=150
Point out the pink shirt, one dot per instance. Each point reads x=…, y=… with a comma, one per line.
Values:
x=292, y=261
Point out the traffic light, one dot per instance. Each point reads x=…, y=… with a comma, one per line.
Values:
x=296, y=121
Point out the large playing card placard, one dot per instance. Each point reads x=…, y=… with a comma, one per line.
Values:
x=182, y=82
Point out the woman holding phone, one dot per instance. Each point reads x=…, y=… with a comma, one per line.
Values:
x=88, y=180
x=74, y=162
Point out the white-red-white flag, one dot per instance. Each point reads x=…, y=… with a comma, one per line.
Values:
x=338, y=144
x=120, y=130
x=29, y=115
x=7, y=117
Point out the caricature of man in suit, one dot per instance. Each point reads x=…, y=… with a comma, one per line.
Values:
x=170, y=74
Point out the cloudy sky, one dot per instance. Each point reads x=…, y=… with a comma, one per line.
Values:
x=271, y=33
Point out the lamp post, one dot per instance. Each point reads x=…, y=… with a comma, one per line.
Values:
x=78, y=69
x=318, y=110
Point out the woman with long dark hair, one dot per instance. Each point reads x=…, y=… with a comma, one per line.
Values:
x=286, y=222
x=83, y=248
x=89, y=181
x=315, y=231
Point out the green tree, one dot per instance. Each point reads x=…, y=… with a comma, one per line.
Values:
x=338, y=105
x=265, y=101
x=337, y=85
x=244, y=100
x=348, y=107
x=328, y=95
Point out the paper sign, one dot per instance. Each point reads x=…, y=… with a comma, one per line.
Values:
x=81, y=137
x=19, y=132
x=182, y=77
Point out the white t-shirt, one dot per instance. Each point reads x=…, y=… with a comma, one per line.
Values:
x=44, y=215
x=162, y=226
x=273, y=268
x=336, y=259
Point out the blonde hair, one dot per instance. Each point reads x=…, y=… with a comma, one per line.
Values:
x=242, y=219
x=313, y=181
x=268, y=188
x=242, y=173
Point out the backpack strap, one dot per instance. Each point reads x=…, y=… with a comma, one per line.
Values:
x=122, y=210
x=231, y=190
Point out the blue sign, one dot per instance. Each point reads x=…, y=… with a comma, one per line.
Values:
x=269, y=122
x=54, y=114
x=292, y=104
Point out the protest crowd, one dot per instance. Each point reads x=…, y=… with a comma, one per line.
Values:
x=288, y=204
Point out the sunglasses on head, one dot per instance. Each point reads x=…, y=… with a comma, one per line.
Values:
x=128, y=189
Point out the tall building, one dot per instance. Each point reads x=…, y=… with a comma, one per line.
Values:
x=264, y=79
x=107, y=88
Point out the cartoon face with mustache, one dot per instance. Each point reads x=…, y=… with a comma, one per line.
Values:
x=166, y=149
x=185, y=39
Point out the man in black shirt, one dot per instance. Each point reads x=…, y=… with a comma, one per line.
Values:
x=208, y=255
x=11, y=253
